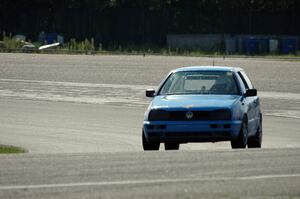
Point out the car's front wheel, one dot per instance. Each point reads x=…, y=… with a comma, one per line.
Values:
x=171, y=146
x=149, y=146
x=241, y=141
x=255, y=142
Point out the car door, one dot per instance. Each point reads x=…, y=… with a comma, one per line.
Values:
x=252, y=104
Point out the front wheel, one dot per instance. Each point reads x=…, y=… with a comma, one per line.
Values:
x=241, y=141
x=255, y=142
x=149, y=146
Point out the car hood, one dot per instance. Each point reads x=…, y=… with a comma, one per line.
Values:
x=194, y=101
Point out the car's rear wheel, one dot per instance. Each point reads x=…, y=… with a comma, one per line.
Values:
x=149, y=146
x=241, y=141
x=171, y=146
x=255, y=142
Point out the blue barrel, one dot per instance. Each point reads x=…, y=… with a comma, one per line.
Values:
x=251, y=46
x=288, y=45
x=51, y=38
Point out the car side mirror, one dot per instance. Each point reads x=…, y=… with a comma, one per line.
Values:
x=150, y=92
x=251, y=93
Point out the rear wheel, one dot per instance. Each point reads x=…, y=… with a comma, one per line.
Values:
x=171, y=146
x=149, y=146
x=241, y=141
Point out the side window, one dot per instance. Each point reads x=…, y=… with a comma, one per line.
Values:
x=166, y=86
x=245, y=79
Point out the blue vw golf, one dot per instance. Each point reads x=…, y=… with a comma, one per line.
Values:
x=203, y=104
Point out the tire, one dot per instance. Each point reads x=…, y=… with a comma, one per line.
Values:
x=171, y=146
x=255, y=142
x=241, y=141
x=149, y=146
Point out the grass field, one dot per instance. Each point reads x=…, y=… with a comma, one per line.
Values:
x=11, y=149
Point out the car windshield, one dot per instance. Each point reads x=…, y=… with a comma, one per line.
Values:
x=200, y=82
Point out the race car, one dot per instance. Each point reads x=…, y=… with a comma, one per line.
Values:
x=203, y=104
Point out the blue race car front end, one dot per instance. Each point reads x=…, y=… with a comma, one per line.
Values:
x=183, y=126
x=183, y=119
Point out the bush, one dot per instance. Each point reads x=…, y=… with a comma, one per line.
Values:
x=86, y=45
x=10, y=42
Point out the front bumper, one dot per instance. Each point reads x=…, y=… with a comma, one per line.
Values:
x=191, y=131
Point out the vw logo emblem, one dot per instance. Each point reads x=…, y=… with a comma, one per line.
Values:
x=189, y=115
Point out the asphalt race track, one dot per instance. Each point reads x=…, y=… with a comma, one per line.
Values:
x=268, y=173
x=80, y=118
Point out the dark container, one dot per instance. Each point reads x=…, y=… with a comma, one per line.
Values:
x=231, y=45
x=288, y=45
x=251, y=45
x=51, y=38
x=263, y=45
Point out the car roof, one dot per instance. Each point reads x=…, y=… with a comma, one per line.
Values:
x=208, y=68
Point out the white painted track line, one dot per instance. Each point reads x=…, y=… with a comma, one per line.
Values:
x=154, y=181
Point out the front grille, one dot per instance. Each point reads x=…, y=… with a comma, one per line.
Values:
x=163, y=115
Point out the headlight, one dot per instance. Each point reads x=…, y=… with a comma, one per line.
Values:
x=221, y=114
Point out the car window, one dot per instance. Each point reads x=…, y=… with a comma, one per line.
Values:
x=246, y=80
x=200, y=82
